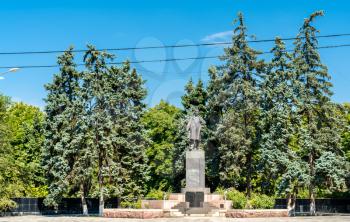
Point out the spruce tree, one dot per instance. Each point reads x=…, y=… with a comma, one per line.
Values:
x=195, y=97
x=279, y=124
x=212, y=118
x=131, y=137
x=346, y=133
x=114, y=103
x=96, y=93
x=319, y=131
x=236, y=96
x=67, y=157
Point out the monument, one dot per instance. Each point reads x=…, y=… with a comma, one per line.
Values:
x=194, y=198
x=195, y=164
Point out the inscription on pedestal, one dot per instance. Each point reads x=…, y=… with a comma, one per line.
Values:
x=195, y=199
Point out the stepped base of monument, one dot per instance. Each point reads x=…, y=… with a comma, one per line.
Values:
x=193, y=212
x=133, y=213
x=255, y=213
x=212, y=205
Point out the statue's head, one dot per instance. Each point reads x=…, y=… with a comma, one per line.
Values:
x=195, y=111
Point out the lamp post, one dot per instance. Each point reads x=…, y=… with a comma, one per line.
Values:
x=10, y=70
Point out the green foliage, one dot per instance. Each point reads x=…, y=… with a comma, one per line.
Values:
x=180, y=147
x=279, y=124
x=330, y=169
x=94, y=139
x=320, y=128
x=25, y=124
x=261, y=201
x=20, y=149
x=160, y=126
x=346, y=133
x=131, y=204
x=239, y=199
x=156, y=194
x=234, y=104
x=67, y=153
x=6, y=205
x=195, y=97
x=41, y=191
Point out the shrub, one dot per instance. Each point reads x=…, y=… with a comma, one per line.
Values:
x=7, y=204
x=261, y=201
x=131, y=204
x=41, y=191
x=220, y=190
x=156, y=195
x=239, y=200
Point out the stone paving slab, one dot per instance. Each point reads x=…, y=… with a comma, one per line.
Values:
x=189, y=219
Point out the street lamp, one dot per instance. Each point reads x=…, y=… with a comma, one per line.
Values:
x=10, y=70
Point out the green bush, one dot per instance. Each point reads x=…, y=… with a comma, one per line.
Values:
x=220, y=190
x=6, y=204
x=156, y=195
x=261, y=201
x=239, y=200
x=131, y=204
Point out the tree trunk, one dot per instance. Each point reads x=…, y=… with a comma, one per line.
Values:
x=291, y=199
x=312, y=200
x=249, y=175
x=312, y=185
x=101, y=203
x=83, y=201
x=100, y=182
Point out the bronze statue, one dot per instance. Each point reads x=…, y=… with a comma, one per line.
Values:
x=194, y=126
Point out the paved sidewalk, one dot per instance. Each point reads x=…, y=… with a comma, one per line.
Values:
x=190, y=219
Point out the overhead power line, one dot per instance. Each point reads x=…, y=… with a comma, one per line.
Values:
x=164, y=46
x=160, y=60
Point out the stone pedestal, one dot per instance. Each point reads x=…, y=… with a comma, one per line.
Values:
x=195, y=169
x=195, y=189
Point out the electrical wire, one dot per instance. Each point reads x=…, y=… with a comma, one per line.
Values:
x=158, y=60
x=165, y=46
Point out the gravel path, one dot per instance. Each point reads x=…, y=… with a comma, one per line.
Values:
x=190, y=219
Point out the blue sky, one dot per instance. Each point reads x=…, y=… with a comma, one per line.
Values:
x=54, y=25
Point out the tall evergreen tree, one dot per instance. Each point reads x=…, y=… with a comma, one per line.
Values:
x=114, y=103
x=212, y=118
x=346, y=134
x=131, y=135
x=96, y=92
x=319, y=131
x=278, y=125
x=195, y=97
x=67, y=157
x=237, y=96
